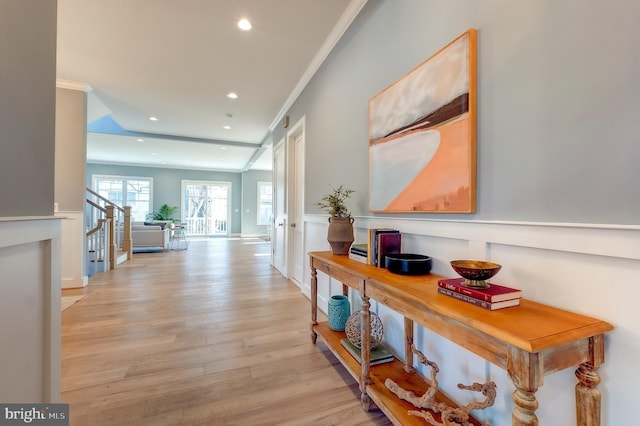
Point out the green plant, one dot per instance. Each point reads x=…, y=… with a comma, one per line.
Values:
x=335, y=202
x=164, y=213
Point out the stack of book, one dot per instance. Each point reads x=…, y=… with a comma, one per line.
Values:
x=379, y=354
x=358, y=252
x=382, y=241
x=492, y=298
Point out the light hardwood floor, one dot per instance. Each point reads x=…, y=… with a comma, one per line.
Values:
x=212, y=335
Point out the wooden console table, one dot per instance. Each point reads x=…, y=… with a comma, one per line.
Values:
x=528, y=341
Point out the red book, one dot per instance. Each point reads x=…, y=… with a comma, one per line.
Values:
x=495, y=292
x=477, y=302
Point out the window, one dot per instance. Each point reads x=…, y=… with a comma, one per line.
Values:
x=206, y=207
x=127, y=191
x=265, y=203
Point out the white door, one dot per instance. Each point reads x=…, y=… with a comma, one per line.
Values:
x=295, y=184
x=279, y=225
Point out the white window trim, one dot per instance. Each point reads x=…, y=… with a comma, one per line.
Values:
x=268, y=220
x=94, y=179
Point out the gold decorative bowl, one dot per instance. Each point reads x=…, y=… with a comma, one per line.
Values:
x=475, y=272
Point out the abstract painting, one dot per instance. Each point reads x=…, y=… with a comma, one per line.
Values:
x=422, y=136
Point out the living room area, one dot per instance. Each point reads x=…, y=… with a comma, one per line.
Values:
x=241, y=212
x=167, y=208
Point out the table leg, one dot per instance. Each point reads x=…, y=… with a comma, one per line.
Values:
x=365, y=402
x=408, y=342
x=587, y=393
x=314, y=303
x=526, y=372
x=365, y=348
x=526, y=404
x=587, y=396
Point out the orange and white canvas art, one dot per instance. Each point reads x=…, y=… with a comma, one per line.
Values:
x=422, y=137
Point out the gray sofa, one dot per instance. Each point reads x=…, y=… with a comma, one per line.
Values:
x=150, y=236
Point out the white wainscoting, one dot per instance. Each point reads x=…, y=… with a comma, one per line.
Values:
x=589, y=269
x=74, y=272
x=30, y=309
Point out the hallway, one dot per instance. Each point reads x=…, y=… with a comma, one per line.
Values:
x=211, y=335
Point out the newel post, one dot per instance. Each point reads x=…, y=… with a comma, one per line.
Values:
x=127, y=244
x=112, y=229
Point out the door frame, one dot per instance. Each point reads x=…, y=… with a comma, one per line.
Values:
x=279, y=149
x=229, y=186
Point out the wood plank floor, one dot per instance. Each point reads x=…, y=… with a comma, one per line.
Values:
x=212, y=335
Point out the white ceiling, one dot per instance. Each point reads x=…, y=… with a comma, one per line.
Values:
x=178, y=60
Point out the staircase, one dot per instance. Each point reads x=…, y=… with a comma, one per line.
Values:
x=108, y=233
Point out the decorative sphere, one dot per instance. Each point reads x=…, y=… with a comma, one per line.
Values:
x=352, y=328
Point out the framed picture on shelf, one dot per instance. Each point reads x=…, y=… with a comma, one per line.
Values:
x=422, y=136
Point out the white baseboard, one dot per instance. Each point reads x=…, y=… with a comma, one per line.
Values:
x=252, y=235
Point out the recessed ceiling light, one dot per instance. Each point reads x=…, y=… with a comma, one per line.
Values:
x=140, y=140
x=244, y=24
x=226, y=127
x=154, y=153
x=153, y=118
x=223, y=147
x=232, y=95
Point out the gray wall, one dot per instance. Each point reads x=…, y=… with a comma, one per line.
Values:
x=557, y=104
x=71, y=149
x=167, y=185
x=250, y=181
x=27, y=107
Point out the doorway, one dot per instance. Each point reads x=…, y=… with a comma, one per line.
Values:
x=288, y=245
x=205, y=208
x=295, y=201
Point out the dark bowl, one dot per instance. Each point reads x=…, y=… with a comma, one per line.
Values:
x=475, y=271
x=408, y=264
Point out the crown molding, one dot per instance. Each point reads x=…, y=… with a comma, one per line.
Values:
x=73, y=85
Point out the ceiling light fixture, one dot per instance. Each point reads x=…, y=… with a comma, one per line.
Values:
x=244, y=24
x=153, y=118
x=226, y=127
x=140, y=140
x=232, y=95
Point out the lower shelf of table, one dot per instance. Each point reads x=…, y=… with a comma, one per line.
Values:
x=393, y=407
